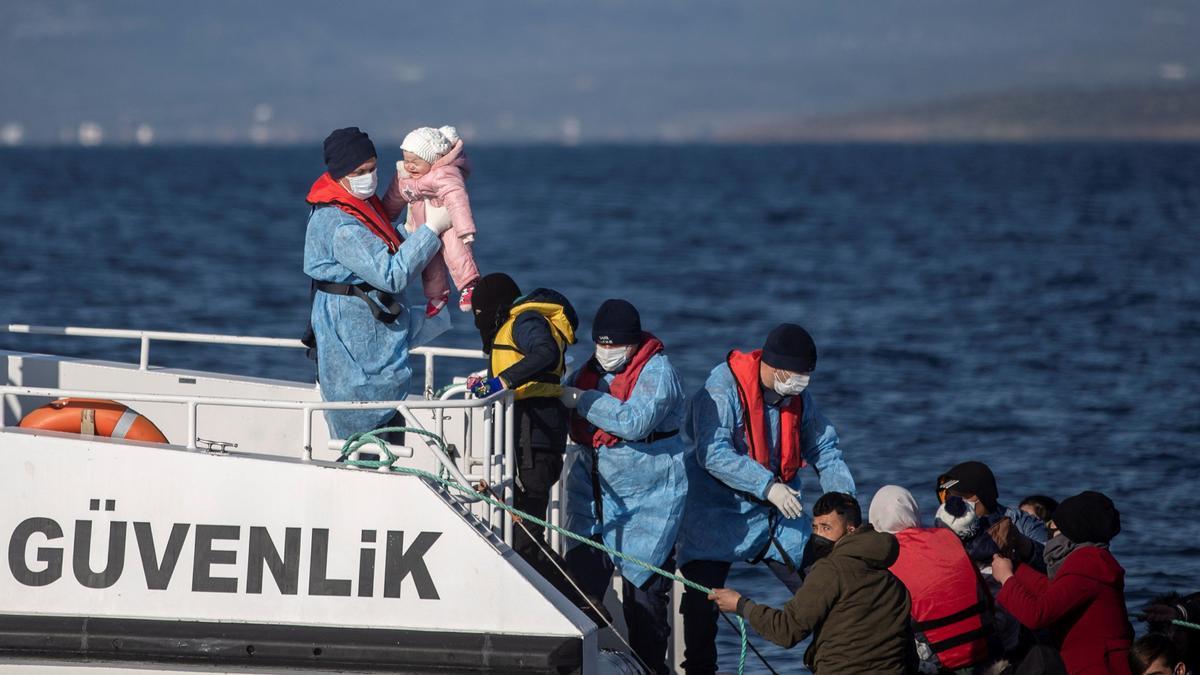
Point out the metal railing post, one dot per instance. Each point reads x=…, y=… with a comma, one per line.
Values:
x=429, y=371
x=144, y=359
x=307, y=433
x=510, y=464
x=192, y=406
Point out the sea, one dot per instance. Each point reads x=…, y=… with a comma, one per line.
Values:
x=1036, y=307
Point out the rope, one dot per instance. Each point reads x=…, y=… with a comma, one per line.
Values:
x=1186, y=624
x=357, y=440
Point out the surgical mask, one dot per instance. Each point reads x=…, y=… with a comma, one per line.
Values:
x=612, y=358
x=792, y=386
x=363, y=186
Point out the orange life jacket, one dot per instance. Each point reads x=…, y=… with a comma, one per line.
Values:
x=745, y=369
x=370, y=212
x=950, y=604
x=621, y=387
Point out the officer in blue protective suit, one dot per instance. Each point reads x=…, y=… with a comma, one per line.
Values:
x=627, y=484
x=752, y=426
x=360, y=267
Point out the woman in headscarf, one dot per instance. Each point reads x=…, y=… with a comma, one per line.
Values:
x=951, y=607
x=1081, y=599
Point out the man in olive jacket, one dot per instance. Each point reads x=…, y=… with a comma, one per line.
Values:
x=855, y=608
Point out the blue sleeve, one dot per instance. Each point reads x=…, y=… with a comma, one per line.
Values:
x=656, y=394
x=367, y=257
x=715, y=414
x=1033, y=529
x=820, y=442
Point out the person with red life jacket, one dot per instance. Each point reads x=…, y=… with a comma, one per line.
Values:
x=752, y=428
x=627, y=484
x=360, y=266
x=952, y=608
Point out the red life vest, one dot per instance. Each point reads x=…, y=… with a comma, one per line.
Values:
x=621, y=387
x=749, y=385
x=370, y=212
x=949, y=599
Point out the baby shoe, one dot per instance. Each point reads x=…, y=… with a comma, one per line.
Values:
x=464, y=299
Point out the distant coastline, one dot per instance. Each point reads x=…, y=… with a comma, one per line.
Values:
x=1142, y=113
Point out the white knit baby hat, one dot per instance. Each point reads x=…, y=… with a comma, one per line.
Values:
x=428, y=143
x=959, y=517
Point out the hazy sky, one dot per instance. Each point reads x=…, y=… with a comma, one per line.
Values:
x=516, y=69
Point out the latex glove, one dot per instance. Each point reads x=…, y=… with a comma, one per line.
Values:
x=437, y=218
x=400, y=170
x=784, y=499
x=570, y=396
x=485, y=388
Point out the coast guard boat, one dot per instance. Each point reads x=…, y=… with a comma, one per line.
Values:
x=241, y=544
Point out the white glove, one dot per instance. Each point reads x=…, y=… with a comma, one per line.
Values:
x=570, y=396
x=400, y=170
x=784, y=499
x=437, y=218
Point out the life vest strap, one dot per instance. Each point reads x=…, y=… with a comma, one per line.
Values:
x=962, y=639
x=387, y=312
x=931, y=624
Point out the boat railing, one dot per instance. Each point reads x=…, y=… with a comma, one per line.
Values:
x=494, y=462
x=146, y=337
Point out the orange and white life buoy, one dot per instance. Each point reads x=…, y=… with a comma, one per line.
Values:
x=94, y=417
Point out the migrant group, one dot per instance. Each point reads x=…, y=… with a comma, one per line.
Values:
x=697, y=483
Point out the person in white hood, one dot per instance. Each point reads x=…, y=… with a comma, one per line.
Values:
x=951, y=606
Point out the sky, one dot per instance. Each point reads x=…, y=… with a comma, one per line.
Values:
x=281, y=71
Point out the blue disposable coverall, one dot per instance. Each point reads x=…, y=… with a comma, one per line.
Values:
x=358, y=357
x=643, y=485
x=721, y=522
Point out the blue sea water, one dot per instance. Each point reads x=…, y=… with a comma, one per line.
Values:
x=1033, y=306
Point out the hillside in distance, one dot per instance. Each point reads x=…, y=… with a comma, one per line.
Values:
x=1148, y=113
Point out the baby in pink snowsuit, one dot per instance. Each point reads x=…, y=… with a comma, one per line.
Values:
x=434, y=171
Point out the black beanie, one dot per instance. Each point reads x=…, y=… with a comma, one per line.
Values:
x=1088, y=517
x=617, y=323
x=790, y=347
x=346, y=150
x=493, y=293
x=973, y=478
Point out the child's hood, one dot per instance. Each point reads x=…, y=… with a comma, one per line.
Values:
x=456, y=158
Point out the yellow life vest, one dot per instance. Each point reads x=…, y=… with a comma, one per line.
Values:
x=505, y=352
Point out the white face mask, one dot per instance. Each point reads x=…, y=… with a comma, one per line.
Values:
x=792, y=386
x=612, y=358
x=363, y=186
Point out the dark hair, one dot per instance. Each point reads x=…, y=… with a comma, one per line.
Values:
x=841, y=503
x=1150, y=648
x=1042, y=505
